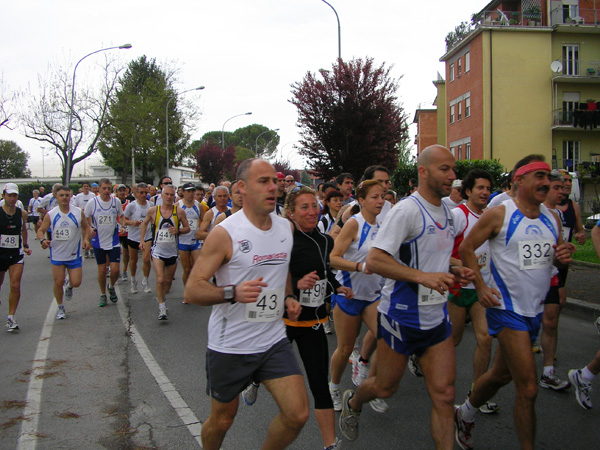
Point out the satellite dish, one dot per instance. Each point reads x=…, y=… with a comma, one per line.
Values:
x=556, y=66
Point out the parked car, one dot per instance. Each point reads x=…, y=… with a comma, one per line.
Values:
x=591, y=221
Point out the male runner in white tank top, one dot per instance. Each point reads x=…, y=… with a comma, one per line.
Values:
x=221, y=196
x=248, y=254
x=525, y=242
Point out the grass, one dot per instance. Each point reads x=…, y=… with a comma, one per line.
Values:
x=586, y=252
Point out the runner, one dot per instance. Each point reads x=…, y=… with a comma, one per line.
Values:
x=236, y=203
x=476, y=188
x=13, y=246
x=525, y=240
x=156, y=198
x=103, y=214
x=189, y=245
x=168, y=222
x=412, y=250
x=135, y=213
x=122, y=196
x=249, y=257
x=221, y=196
x=69, y=229
x=81, y=201
x=331, y=207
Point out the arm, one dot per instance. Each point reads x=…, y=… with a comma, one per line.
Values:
x=86, y=231
x=149, y=218
x=579, y=231
x=217, y=250
x=596, y=239
x=203, y=228
x=342, y=243
x=562, y=249
x=26, y=248
x=42, y=232
x=185, y=226
x=292, y=306
x=343, y=214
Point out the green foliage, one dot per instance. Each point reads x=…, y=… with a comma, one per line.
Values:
x=460, y=32
x=586, y=252
x=403, y=173
x=257, y=138
x=13, y=161
x=305, y=179
x=242, y=154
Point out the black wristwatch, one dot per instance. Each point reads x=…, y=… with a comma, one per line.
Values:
x=229, y=293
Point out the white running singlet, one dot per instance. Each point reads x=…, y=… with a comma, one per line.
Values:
x=105, y=220
x=193, y=217
x=81, y=200
x=135, y=211
x=66, y=234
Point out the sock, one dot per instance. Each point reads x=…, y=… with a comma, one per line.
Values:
x=133, y=278
x=548, y=371
x=467, y=411
x=587, y=375
x=145, y=279
x=10, y=316
x=332, y=385
x=363, y=360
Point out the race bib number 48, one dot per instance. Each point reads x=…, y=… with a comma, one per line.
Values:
x=314, y=297
x=535, y=254
x=268, y=307
x=7, y=241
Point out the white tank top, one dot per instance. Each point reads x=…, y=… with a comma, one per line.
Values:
x=193, y=217
x=365, y=287
x=66, y=234
x=135, y=211
x=216, y=212
x=105, y=220
x=522, y=259
x=464, y=221
x=234, y=328
x=165, y=244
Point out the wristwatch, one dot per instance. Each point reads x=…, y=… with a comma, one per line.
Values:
x=229, y=293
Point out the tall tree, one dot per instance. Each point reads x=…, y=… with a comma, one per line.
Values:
x=137, y=134
x=45, y=116
x=13, y=161
x=262, y=141
x=4, y=113
x=349, y=118
x=214, y=162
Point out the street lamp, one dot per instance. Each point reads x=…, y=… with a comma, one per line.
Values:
x=199, y=88
x=72, y=112
x=223, y=129
x=339, y=29
x=256, y=142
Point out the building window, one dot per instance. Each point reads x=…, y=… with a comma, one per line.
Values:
x=467, y=107
x=458, y=67
x=570, y=103
x=459, y=110
x=451, y=73
x=459, y=156
x=468, y=150
x=570, y=54
x=467, y=61
x=452, y=114
x=571, y=154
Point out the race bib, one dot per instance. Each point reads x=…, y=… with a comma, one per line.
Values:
x=314, y=297
x=268, y=307
x=430, y=296
x=483, y=259
x=7, y=241
x=164, y=235
x=105, y=220
x=62, y=234
x=193, y=224
x=566, y=233
x=535, y=254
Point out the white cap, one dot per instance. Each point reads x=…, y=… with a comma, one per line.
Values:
x=11, y=188
x=456, y=184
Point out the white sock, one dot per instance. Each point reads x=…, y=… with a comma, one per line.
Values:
x=11, y=317
x=133, y=280
x=467, y=411
x=332, y=385
x=548, y=371
x=587, y=375
x=145, y=279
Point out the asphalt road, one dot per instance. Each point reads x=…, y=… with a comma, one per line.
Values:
x=117, y=378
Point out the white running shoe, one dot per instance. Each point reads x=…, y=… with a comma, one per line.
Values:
x=553, y=382
x=349, y=418
x=336, y=396
x=124, y=277
x=68, y=291
x=134, y=289
x=379, y=405
x=360, y=371
x=414, y=366
x=162, y=311
x=327, y=328
x=583, y=389
x=11, y=324
x=250, y=393
x=462, y=431
x=61, y=314
x=145, y=287
x=597, y=324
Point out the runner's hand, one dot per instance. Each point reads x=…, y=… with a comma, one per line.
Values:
x=293, y=308
x=438, y=281
x=248, y=291
x=308, y=281
x=488, y=297
x=563, y=252
x=463, y=275
x=346, y=292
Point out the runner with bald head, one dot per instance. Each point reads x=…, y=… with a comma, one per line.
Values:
x=412, y=250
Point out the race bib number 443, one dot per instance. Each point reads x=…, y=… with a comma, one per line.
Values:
x=268, y=307
x=535, y=254
x=62, y=234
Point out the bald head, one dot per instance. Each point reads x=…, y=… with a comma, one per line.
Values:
x=432, y=154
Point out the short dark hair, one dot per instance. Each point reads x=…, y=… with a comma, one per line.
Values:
x=369, y=173
x=342, y=176
x=328, y=185
x=163, y=179
x=469, y=180
x=244, y=167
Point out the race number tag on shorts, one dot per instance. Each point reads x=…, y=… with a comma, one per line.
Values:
x=430, y=296
x=62, y=234
x=268, y=307
x=483, y=259
x=193, y=224
x=535, y=254
x=105, y=220
x=314, y=297
x=566, y=231
x=163, y=236
x=7, y=241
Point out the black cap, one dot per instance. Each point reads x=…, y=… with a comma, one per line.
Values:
x=189, y=187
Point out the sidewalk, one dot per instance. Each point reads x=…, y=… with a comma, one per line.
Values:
x=583, y=290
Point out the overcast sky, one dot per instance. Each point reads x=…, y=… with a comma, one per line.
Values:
x=245, y=52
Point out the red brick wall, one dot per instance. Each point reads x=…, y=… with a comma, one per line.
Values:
x=427, y=130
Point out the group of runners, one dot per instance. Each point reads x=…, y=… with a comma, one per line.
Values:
x=410, y=272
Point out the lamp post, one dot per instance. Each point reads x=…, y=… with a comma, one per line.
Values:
x=339, y=29
x=256, y=141
x=223, y=129
x=72, y=112
x=199, y=88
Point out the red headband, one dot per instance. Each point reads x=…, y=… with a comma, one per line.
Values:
x=531, y=167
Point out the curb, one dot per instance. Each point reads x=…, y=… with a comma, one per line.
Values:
x=586, y=264
x=581, y=309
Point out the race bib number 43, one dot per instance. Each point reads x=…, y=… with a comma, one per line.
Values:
x=535, y=254
x=7, y=241
x=268, y=307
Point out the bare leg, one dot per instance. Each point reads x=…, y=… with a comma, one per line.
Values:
x=483, y=349
x=346, y=330
x=15, y=272
x=102, y=278
x=58, y=273
x=549, y=333
x=133, y=260
x=457, y=317
x=218, y=422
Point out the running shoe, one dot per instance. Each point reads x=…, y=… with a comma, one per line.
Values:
x=583, y=389
x=68, y=290
x=414, y=366
x=462, y=431
x=349, y=418
x=597, y=324
x=108, y=272
x=553, y=382
x=145, y=287
x=355, y=354
x=102, y=300
x=11, y=324
x=61, y=314
x=123, y=276
x=489, y=407
x=162, y=311
x=360, y=371
x=327, y=328
x=250, y=393
x=133, y=289
x=336, y=396
x=112, y=294
x=379, y=405
x=337, y=445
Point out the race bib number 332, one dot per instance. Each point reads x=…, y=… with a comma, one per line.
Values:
x=535, y=254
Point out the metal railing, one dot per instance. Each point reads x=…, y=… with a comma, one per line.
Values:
x=498, y=17
x=580, y=67
x=562, y=16
x=578, y=118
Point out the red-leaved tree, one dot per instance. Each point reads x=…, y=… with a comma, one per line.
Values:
x=214, y=162
x=285, y=168
x=349, y=118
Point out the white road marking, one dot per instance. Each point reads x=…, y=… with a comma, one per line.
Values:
x=184, y=412
x=28, y=435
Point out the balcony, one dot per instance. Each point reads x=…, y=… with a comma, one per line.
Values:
x=577, y=120
x=578, y=71
x=564, y=16
x=499, y=18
